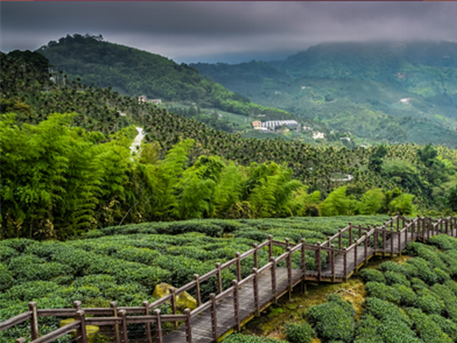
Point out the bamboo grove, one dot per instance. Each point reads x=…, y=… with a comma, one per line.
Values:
x=67, y=167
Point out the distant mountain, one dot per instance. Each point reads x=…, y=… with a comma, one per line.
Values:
x=133, y=72
x=390, y=92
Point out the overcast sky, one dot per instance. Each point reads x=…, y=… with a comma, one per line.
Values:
x=225, y=31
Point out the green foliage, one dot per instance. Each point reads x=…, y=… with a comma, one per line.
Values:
x=337, y=203
x=372, y=275
x=299, y=332
x=333, y=320
x=372, y=202
x=426, y=328
x=240, y=338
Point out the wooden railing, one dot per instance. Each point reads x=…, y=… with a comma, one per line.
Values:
x=355, y=245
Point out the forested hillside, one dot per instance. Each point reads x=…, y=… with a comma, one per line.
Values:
x=394, y=93
x=66, y=173
x=133, y=72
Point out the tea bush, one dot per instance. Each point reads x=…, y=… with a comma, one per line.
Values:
x=299, y=332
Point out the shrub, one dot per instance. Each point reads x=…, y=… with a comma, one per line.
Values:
x=366, y=329
x=390, y=266
x=429, y=302
x=407, y=295
x=447, y=326
x=333, y=320
x=396, y=278
x=383, y=292
x=6, y=278
x=427, y=329
x=240, y=338
x=417, y=284
x=372, y=275
x=299, y=332
x=423, y=270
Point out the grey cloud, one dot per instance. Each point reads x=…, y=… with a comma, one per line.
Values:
x=187, y=30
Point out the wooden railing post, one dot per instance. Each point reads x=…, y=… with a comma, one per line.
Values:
x=345, y=267
x=123, y=315
x=375, y=239
x=270, y=246
x=147, y=325
x=255, y=286
x=113, y=305
x=350, y=233
x=287, y=240
x=173, y=303
x=384, y=240
x=238, y=267
x=318, y=261
x=236, y=304
x=413, y=230
x=188, y=326
x=159, y=337
x=328, y=241
x=366, y=247
x=398, y=220
x=303, y=259
x=219, y=278
x=213, y=310
x=289, y=272
x=446, y=227
x=20, y=340
x=332, y=257
x=339, y=238
x=197, y=289
x=356, y=264
x=399, y=241
x=34, y=320
x=81, y=330
x=273, y=279
x=360, y=231
x=391, y=241
x=256, y=259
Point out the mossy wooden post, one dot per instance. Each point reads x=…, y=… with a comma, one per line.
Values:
x=113, y=305
x=236, y=304
x=398, y=220
x=147, y=325
x=273, y=279
x=375, y=239
x=213, y=310
x=238, y=266
x=339, y=239
x=391, y=241
x=124, y=334
x=188, y=326
x=360, y=231
x=355, y=255
x=287, y=240
x=303, y=259
x=446, y=227
x=81, y=330
x=270, y=246
x=365, y=247
x=289, y=271
x=256, y=259
x=413, y=230
x=34, y=320
x=159, y=337
x=255, y=286
x=318, y=261
x=384, y=240
x=350, y=233
x=173, y=304
x=345, y=264
x=332, y=257
x=197, y=289
x=328, y=241
x=399, y=241
x=406, y=233
x=219, y=278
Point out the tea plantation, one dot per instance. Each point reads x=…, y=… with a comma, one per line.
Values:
x=414, y=301
x=126, y=263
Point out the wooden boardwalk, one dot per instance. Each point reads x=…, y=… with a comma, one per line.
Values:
x=229, y=309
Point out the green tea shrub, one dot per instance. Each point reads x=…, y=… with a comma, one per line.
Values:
x=428, y=254
x=366, y=329
x=240, y=338
x=426, y=328
x=429, y=302
x=299, y=332
x=407, y=295
x=383, y=292
x=452, y=286
x=390, y=266
x=6, y=253
x=441, y=275
x=44, y=271
x=446, y=325
x=333, y=320
x=385, y=311
x=417, y=284
x=18, y=244
x=423, y=270
x=27, y=291
x=449, y=299
x=140, y=255
x=372, y=275
x=6, y=278
x=396, y=278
